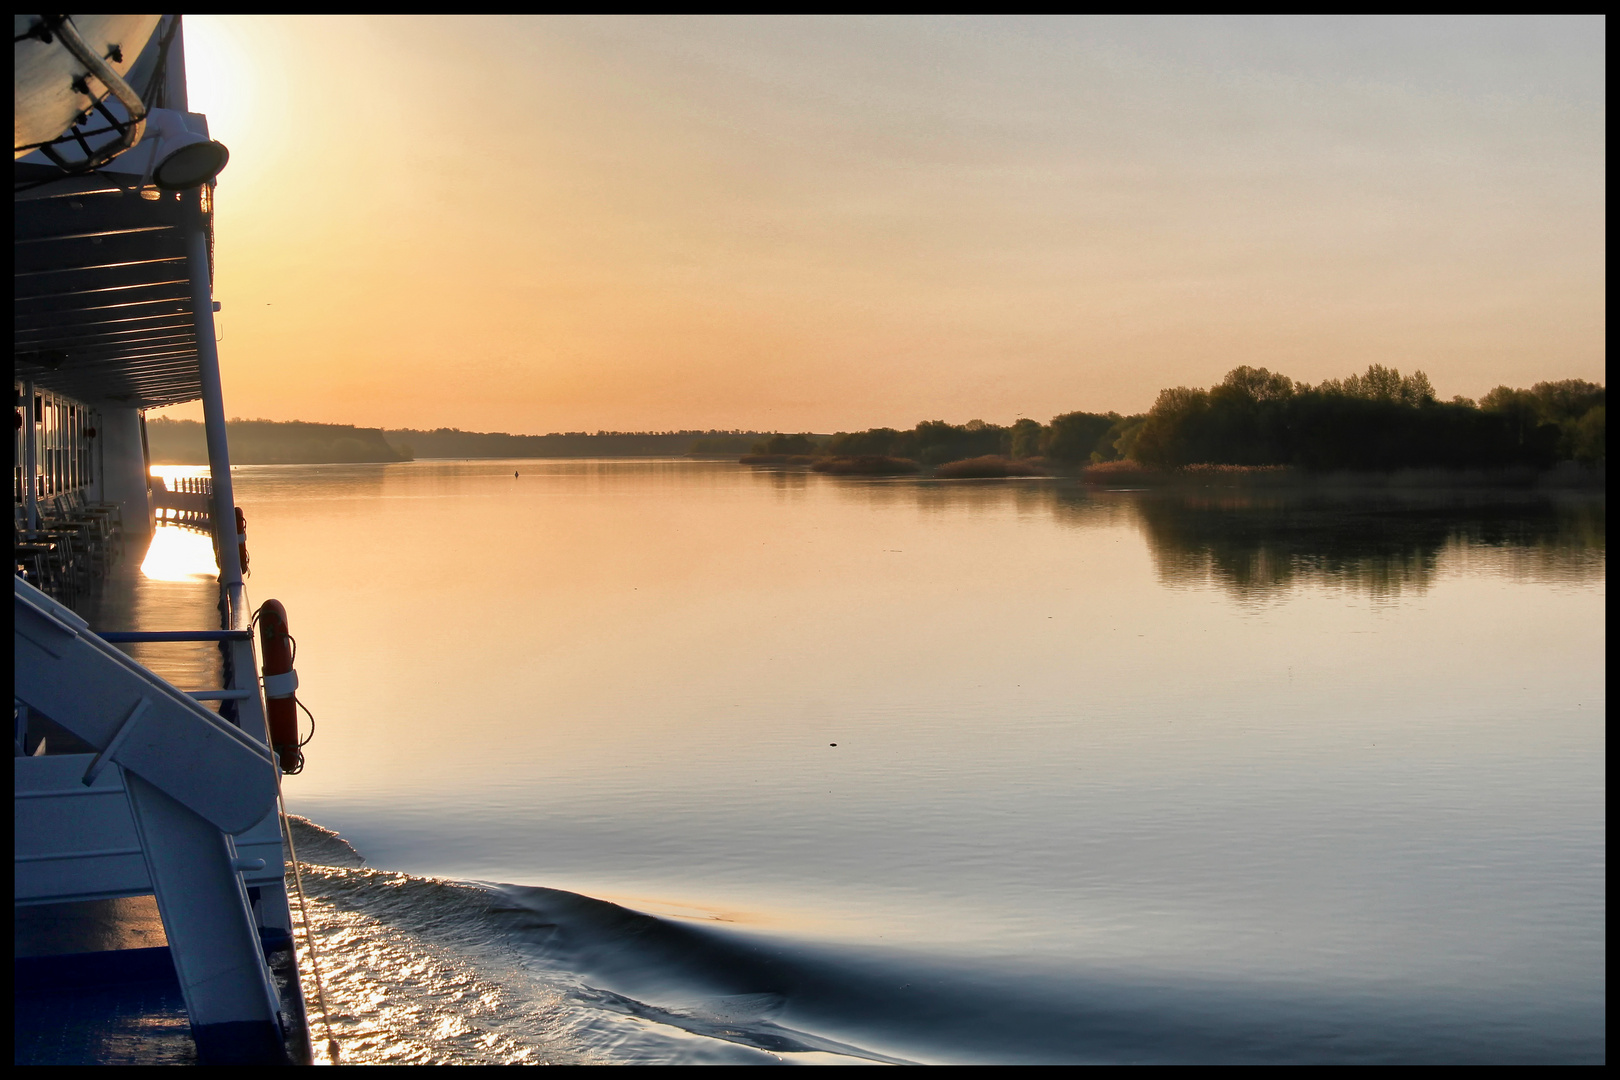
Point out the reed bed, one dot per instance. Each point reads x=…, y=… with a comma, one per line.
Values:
x=990, y=466
x=866, y=465
x=1135, y=474
x=776, y=459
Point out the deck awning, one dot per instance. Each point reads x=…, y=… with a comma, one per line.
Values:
x=104, y=305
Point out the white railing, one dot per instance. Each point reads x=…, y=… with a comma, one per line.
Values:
x=184, y=500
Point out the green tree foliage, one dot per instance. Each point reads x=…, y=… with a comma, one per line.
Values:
x=802, y=443
x=723, y=444
x=936, y=442
x=1257, y=385
x=1379, y=419
x=874, y=442
x=1570, y=412
x=1382, y=384
x=1130, y=429
x=269, y=442
x=1073, y=438
x=1248, y=414
x=1568, y=399
x=1376, y=420
x=931, y=442
x=1175, y=430
x=1517, y=409
x=1024, y=439
x=1590, y=446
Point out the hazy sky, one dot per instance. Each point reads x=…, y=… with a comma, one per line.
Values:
x=543, y=224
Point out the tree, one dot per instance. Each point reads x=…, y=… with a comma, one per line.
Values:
x=1025, y=439
x=879, y=442
x=934, y=442
x=1124, y=445
x=1564, y=405
x=801, y=443
x=1518, y=408
x=1072, y=437
x=1589, y=436
x=1257, y=385
x=1566, y=400
x=1172, y=434
x=1384, y=384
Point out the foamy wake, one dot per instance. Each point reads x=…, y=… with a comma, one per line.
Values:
x=421, y=971
x=425, y=971
x=411, y=975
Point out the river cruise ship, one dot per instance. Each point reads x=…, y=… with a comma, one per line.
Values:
x=152, y=920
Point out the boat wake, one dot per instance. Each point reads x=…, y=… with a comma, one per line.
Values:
x=423, y=971
x=419, y=970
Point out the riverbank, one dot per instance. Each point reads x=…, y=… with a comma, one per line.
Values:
x=266, y=442
x=296, y=442
x=1567, y=475
x=1130, y=474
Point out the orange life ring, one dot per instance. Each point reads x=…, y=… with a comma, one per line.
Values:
x=280, y=685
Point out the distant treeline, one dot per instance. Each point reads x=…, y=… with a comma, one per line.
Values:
x=1374, y=422
x=454, y=443
x=269, y=442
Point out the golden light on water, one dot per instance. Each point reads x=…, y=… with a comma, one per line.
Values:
x=180, y=554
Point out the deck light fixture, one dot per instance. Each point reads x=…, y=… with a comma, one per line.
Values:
x=183, y=159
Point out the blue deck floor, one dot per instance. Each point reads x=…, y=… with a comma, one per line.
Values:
x=102, y=1008
x=115, y=1005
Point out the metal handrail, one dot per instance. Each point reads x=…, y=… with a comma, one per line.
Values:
x=119, y=636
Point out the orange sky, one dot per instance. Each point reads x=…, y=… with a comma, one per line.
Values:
x=541, y=224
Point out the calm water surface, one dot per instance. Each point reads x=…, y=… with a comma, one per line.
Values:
x=951, y=771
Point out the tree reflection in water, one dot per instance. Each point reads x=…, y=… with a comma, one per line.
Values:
x=1384, y=544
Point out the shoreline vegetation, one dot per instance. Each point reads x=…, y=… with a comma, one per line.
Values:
x=866, y=465
x=296, y=442
x=1131, y=475
x=267, y=442
x=1256, y=428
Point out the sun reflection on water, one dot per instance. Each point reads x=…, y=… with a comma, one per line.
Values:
x=172, y=472
x=180, y=554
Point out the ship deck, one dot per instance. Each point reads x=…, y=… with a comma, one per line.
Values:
x=93, y=981
x=93, y=984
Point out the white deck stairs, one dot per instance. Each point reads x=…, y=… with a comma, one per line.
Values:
x=177, y=802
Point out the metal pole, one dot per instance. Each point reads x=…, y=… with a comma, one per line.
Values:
x=213, y=402
x=30, y=456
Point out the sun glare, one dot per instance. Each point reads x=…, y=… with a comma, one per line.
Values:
x=180, y=554
x=221, y=75
x=168, y=473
